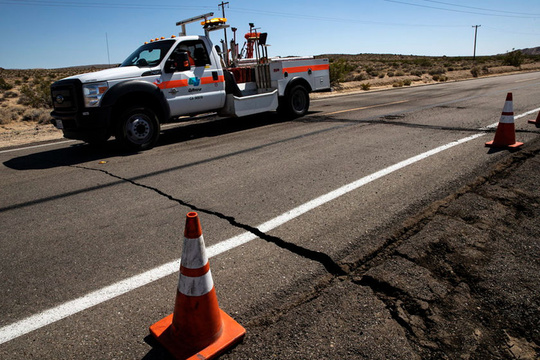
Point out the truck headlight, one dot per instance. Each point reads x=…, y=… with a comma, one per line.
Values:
x=93, y=93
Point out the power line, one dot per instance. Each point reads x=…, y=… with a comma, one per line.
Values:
x=511, y=31
x=334, y=19
x=478, y=8
x=156, y=6
x=98, y=5
x=463, y=11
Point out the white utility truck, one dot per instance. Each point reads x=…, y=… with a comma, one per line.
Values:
x=179, y=76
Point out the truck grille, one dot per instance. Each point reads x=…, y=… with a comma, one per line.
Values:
x=64, y=95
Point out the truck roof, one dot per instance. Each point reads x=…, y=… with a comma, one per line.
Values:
x=178, y=38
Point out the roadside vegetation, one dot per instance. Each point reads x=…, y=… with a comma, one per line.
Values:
x=367, y=71
x=25, y=94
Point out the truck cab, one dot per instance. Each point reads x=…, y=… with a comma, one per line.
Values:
x=183, y=75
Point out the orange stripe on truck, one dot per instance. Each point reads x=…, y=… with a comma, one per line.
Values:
x=173, y=84
x=210, y=80
x=185, y=82
x=298, y=69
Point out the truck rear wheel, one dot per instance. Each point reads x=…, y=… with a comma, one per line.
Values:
x=295, y=103
x=138, y=129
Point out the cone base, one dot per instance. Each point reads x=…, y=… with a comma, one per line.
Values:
x=232, y=333
x=493, y=145
x=536, y=122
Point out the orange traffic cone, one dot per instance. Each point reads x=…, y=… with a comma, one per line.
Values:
x=505, y=136
x=198, y=328
x=537, y=121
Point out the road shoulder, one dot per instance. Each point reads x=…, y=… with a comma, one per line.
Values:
x=460, y=280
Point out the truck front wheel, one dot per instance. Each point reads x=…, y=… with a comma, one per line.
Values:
x=138, y=129
x=295, y=103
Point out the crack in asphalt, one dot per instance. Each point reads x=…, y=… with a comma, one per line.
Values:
x=356, y=271
x=324, y=259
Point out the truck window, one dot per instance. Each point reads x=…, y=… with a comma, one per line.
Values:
x=149, y=54
x=198, y=56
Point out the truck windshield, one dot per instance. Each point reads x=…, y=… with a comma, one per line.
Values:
x=149, y=54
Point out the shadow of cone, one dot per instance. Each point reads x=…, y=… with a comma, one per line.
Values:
x=537, y=121
x=198, y=328
x=505, y=136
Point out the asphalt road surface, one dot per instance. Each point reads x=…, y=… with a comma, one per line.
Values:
x=90, y=239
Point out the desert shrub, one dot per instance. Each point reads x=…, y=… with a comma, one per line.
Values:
x=36, y=96
x=366, y=86
x=390, y=74
x=423, y=62
x=40, y=116
x=339, y=70
x=443, y=78
x=437, y=71
x=10, y=94
x=357, y=77
x=513, y=58
x=381, y=75
x=416, y=72
x=372, y=71
x=476, y=71
x=5, y=85
x=398, y=84
x=407, y=82
x=400, y=73
x=8, y=115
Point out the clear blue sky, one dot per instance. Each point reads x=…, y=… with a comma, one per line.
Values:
x=52, y=34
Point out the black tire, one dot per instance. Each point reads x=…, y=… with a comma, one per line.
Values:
x=295, y=103
x=138, y=129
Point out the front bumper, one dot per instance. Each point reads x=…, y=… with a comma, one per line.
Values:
x=70, y=115
x=83, y=125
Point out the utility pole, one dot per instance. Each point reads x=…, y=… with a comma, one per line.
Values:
x=222, y=5
x=475, y=32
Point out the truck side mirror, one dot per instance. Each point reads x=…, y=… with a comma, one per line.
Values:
x=177, y=62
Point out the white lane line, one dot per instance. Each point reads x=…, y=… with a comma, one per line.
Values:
x=524, y=80
x=36, y=146
x=47, y=317
x=525, y=114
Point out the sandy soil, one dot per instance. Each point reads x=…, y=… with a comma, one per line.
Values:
x=17, y=134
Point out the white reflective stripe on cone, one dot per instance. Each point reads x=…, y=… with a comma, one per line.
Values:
x=194, y=253
x=508, y=106
x=196, y=286
x=506, y=119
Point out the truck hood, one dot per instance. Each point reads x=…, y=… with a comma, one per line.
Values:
x=118, y=73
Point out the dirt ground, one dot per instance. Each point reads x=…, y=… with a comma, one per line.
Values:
x=459, y=281
x=17, y=134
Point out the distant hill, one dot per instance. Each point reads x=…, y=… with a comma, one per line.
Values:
x=531, y=51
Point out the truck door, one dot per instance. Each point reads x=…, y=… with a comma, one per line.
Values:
x=200, y=89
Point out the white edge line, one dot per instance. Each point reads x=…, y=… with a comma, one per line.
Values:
x=36, y=146
x=47, y=317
